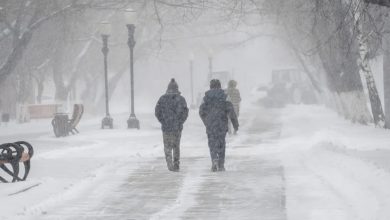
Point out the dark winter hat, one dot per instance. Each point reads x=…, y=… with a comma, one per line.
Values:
x=215, y=84
x=173, y=87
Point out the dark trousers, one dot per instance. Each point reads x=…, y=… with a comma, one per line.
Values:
x=172, y=148
x=217, y=146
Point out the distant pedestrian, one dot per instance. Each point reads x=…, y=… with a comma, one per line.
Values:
x=233, y=95
x=171, y=111
x=215, y=112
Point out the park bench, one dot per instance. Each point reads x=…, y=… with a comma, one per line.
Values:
x=11, y=155
x=63, y=126
x=40, y=111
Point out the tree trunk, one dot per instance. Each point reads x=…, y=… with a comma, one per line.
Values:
x=40, y=92
x=61, y=93
x=88, y=96
x=365, y=70
x=15, y=56
x=386, y=78
x=355, y=107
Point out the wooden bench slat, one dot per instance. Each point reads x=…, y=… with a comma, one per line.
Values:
x=25, y=157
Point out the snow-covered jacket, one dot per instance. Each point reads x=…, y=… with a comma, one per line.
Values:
x=215, y=111
x=171, y=111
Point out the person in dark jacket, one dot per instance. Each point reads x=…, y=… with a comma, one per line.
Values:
x=215, y=112
x=171, y=111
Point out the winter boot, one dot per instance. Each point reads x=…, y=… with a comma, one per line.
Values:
x=222, y=169
x=176, y=167
x=214, y=166
x=221, y=166
x=169, y=165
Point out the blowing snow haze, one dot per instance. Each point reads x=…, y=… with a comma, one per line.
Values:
x=114, y=95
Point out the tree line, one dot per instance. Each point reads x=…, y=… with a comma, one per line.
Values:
x=332, y=40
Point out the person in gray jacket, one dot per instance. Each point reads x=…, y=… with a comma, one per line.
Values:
x=233, y=95
x=172, y=111
x=214, y=112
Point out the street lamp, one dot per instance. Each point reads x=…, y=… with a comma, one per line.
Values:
x=130, y=17
x=105, y=30
x=192, y=80
x=210, y=63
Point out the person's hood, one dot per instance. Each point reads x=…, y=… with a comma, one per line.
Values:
x=214, y=95
x=232, y=84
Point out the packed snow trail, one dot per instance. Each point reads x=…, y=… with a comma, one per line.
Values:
x=194, y=193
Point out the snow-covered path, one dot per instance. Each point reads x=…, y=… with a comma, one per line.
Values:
x=253, y=185
x=195, y=193
x=284, y=164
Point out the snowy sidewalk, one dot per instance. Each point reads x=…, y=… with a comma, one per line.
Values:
x=195, y=193
x=101, y=178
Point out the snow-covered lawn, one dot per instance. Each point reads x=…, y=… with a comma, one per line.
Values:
x=332, y=167
x=301, y=162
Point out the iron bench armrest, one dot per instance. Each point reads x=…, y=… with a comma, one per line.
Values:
x=13, y=154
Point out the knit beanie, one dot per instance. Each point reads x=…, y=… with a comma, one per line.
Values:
x=173, y=87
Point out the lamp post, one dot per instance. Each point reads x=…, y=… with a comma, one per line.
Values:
x=192, y=80
x=105, y=29
x=210, y=64
x=130, y=16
